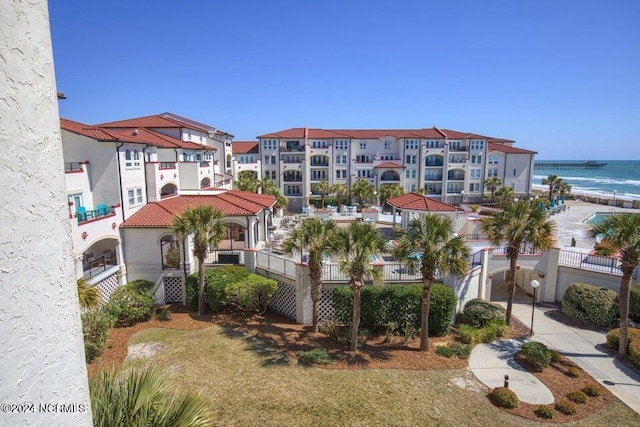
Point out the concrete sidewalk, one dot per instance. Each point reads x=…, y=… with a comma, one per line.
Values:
x=491, y=362
x=587, y=349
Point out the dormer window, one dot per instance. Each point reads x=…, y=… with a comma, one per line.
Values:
x=387, y=145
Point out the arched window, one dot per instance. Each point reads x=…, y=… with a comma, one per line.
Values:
x=127, y=158
x=136, y=158
x=228, y=161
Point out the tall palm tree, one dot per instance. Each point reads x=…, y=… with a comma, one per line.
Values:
x=622, y=231
x=356, y=245
x=267, y=186
x=207, y=227
x=554, y=182
x=440, y=250
x=518, y=223
x=492, y=184
x=387, y=191
x=143, y=397
x=313, y=235
x=362, y=190
x=323, y=188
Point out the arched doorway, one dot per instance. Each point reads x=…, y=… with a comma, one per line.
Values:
x=205, y=183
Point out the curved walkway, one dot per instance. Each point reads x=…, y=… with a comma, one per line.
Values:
x=490, y=362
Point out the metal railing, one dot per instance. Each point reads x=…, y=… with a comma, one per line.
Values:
x=94, y=265
x=600, y=263
x=73, y=167
x=204, y=164
x=525, y=249
x=167, y=165
x=276, y=263
x=398, y=272
x=224, y=256
x=476, y=259
x=84, y=216
x=475, y=236
x=433, y=178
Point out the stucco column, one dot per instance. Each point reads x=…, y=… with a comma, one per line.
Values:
x=485, y=255
x=122, y=272
x=304, y=305
x=548, y=285
x=42, y=359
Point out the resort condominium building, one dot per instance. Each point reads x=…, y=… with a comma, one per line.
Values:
x=450, y=166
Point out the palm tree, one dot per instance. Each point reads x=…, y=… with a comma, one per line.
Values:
x=340, y=190
x=622, y=231
x=208, y=229
x=505, y=194
x=313, y=235
x=518, y=223
x=492, y=184
x=441, y=251
x=144, y=398
x=267, y=186
x=88, y=296
x=362, y=190
x=554, y=183
x=247, y=181
x=323, y=188
x=388, y=191
x=356, y=245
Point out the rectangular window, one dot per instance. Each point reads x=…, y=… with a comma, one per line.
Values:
x=139, y=195
x=514, y=172
x=273, y=160
x=363, y=145
x=387, y=145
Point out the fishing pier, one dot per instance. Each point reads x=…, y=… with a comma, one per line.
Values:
x=569, y=165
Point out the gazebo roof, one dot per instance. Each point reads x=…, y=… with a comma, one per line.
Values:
x=420, y=202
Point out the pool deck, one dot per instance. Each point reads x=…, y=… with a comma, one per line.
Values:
x=572, y=222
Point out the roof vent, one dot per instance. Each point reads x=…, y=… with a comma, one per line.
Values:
x=135, y=131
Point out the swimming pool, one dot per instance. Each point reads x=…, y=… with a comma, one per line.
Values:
x=597, y=217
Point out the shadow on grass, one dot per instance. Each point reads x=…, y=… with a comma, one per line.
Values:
x=269, y=355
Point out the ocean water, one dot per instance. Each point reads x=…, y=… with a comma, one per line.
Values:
x=620, y=175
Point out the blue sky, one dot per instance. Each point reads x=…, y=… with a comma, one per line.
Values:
x=559, y=77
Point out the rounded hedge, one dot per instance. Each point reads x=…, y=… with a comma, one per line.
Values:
x=131, y=303
x=504, y=398
x=536, y=353
x=479, y=313
x=590, y=304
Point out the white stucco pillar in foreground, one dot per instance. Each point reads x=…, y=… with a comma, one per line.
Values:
x=43, y=374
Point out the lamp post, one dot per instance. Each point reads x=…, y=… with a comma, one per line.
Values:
x=462, y=197
x=376, y=195
x=534, y=285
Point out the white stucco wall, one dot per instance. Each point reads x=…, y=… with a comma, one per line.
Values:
x=132, y=178
x=42, y=353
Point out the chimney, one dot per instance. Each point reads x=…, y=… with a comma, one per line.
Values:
x=135, y=131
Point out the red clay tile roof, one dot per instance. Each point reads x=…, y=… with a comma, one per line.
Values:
x=103, y=135
x=507, y=149
x=154, y=121
x=245, y=147
x=389, y=165
x=420, y=202
x=428, y=133
x=230, y=203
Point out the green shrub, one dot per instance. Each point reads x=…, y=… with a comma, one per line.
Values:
x=163, y=314
x=545, y=412
x=216, y=280
x=336, y=332
x=317, y=355
x=468, y=334
x=504, y=398
x=566, y=407
x=96, y=324
x=131, y=303
x=634, y=302
x=397, y=305
x=633, y=335
x=555, y=356
x=573, y=372
x=537, y=354
x=577, y=397
x=480, y=313
x=445, y=351
x=591, y=390
x=253, y=293
x=590, y=304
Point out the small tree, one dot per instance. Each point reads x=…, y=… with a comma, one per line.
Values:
x=340, y=190
x=622, y=231
x=356, y=244
x=247, y=181
x=313, y=235
x=518, y=223
x=323, y=188
x=88, y=296
x=492, y=184
x=362, y=190
x=554, y=182
x=387, y=191
x=505, y=195
x=207, y=227
x=441, y=251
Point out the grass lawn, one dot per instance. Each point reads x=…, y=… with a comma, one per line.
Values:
x=249, y=384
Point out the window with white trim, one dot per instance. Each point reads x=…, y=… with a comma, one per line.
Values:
x=387, y=145
x=269, y=144
x=410, y=159
x=341, y=174
x=411, y=144
x=135, y=197
x=127, y=158
x=363, y=145
x=494, y=159
x=341, y=144
x=136, y=158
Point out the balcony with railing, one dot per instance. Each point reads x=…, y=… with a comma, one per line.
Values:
x=167, y=165
x=287, y=158
x=455, y=175
x=101, y=211
x=457, y=159
x=292, y=147
x=458, y=148
x=94, y=264
x=433, y=160
x=292, y=177
x=205, y=164
x=390, y=176
x=433, y=177
x=319, y=161
x=74, y=167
